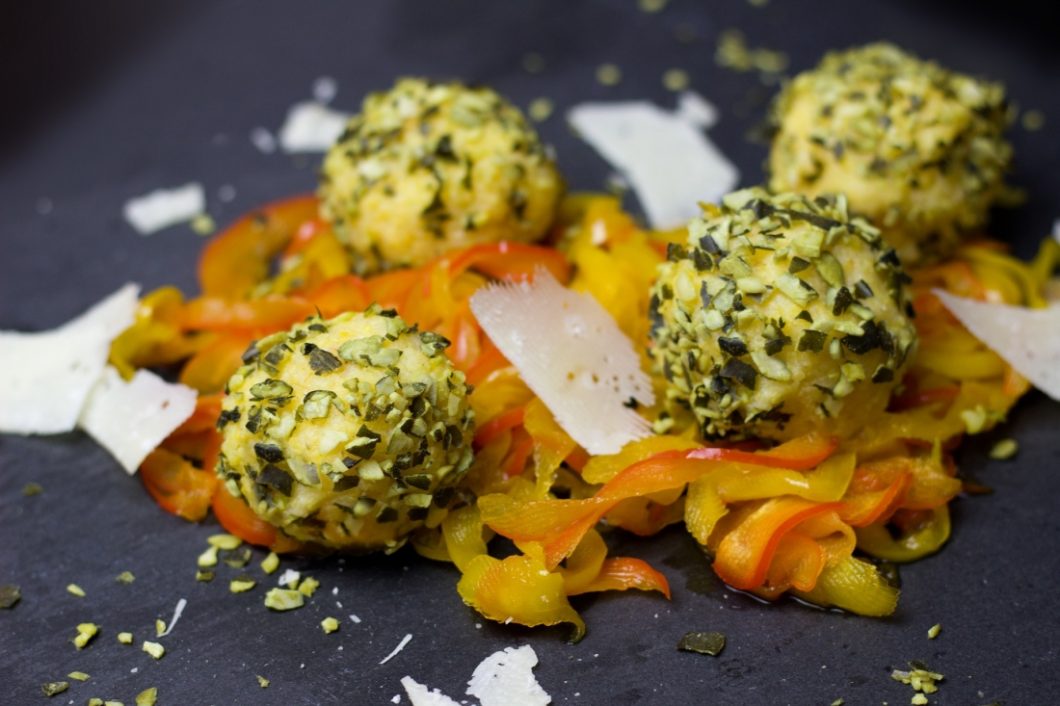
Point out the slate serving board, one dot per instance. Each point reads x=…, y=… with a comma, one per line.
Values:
x=107, y=100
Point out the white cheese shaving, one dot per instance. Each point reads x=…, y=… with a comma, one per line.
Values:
x=1056, y=230
x=325, y=88
x=420, y=695
x=129, y=419
x=506, y=677
x=311, y=127
x=165, y=207
x=1028, y=339
x=570, y=352
x=670, y=163
x=400, y=646
x=289, y=577
x=47, y=377
x=177, y=612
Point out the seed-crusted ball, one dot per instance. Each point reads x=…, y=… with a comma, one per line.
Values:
x=783, y=315
x=916, y=148
x=349, y=433
x=426, y=168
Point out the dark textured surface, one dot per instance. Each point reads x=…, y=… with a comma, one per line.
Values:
x=114, y=99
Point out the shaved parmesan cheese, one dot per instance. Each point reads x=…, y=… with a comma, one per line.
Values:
x=177, y=612
x=263, y=140
x=570, y=352
x=670, y=163
x=400, y=646
x=47, y=376
x=1028, y=339
x=165, y=207
x=506, y=677
x=1056, y=230
x=129, y=419
x=419, y=695
x=311, y=127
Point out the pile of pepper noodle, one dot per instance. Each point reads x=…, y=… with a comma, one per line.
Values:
x=807, y=517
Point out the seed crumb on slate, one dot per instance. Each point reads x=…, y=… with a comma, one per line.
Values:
x=75, y=590
x=147, y=697
x=10, y=594
x=30, y=489
x=85, y=633
x=675, y=80
x=54, y=687
x=704, y=643
x=154, y=649
x=1033, y=120
x=78, y=676
x=270, y=563
x=329, y=625
x=934, y=631
x=263, y=682
x=1004, y=449
x=533, y=63
x=125, y=638
x=125, y=577
x=608, y=75
x=540, y=109
x=652, y=6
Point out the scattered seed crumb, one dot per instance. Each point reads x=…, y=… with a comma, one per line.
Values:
x=284, y=599
x=540, y=109
x=675, y=80
x=10, y=594
x=920, y=678
x=651, y=6
x=270, y=563
x=1033, y=120
x=208, y=558
x=241, y=584
x=125, y=577
x=160, y=627
x=125, y=638
x=262, y=681
x=686, y=33
x=608, y=75
x=758, y=3
x=308, y=586
x=704, y=643
x=85, y=633
x=31, y=489
x=1004, y=449
x=54, y=687
x=934, y=631
x=203, y=224
x=330, y=625
x=154, y=649
x=147, y=697
x=838, y=702
x=224, y=541
x=95, y=701
x=533, y=63
x=113, y=702
x=78, y=676
x=74, y=589
x=733, y=53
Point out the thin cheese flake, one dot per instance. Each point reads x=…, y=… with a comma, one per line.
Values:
x=420, y=695
x=311, y=127
x=570, y=352
x=47, y=376
x=670, y=163
x=165, y=207
x=506, y=677
x=1028, y=339
x=129, y=419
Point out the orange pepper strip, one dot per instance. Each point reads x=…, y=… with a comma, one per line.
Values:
x=238, y=519
x=799, y=454
x=178, y=486
x=489, y=359
x=392, y=289
x=622, y=573
x=303, y=235
x=508, y=260
x=257, y=317
x=210, y=368
x=522, y=447
x=207, y=409
x=744, y=554
x=340, y=294
x=874, y=506
x=241, y=256
x=498, y=425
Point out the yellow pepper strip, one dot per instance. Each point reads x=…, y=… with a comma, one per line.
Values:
x=498, y=393
x=601, y=469
x=925, y=540
x=551, y=444
x=644, y=516
x=154, y=338
x=854, y=585
x=1046, y=261
x=463, y=533
x=1017, y=282
x=518, y=589
x=584, y=563
x=982, y=364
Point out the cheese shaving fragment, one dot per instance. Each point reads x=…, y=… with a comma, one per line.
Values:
x=311, y=127
x=47, y=376
x=570, y=352
x=670, y=163
x=129, y=419
x=506, y=677
x=420, y=695
x=1028, y=339
x=165, y=207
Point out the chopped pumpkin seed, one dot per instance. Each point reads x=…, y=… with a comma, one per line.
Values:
x=263, y=682
x=270, y=563
x=330, y=625
x=78, y=676
x=76, y=590
x=54, y=687
x=284, y=599
x=241, y=584
x=125, y=577
x=125, y=638
x=85, y=633
x=1004, y=449
x=154, y=649
x=224, y=541
x=147, y=697
x=934, y=631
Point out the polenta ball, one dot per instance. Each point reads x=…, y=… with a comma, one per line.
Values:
x=427, y=168
x=349, y=433
x=782, y=315
x=916, y=148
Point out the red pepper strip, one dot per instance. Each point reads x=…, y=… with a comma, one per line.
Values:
x=238, y=519
x=340, y=294
x=800, y=454
x=489, y=360
x=623, y=573
x=522, y=447
x=260, y=316
x=498, y=425
x=508, y=260
x=875, y=506
x=577, y=459
x=207, y=410
x=560, y=524
x=209, y=369
x=241, y=256
x=178, y=486
x=744, y=554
